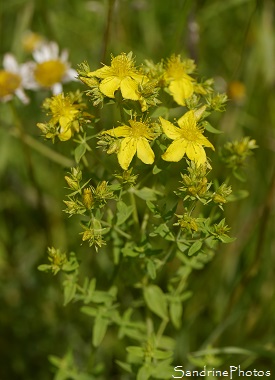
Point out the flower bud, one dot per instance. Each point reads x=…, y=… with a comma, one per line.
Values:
x=72, y=183
x=88, y=198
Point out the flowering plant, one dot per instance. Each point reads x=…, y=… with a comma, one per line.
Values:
x=149, y=208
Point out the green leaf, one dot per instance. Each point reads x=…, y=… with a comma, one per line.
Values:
x=163, y=370
x=147, y=194
x=126, y=366
x=44, y=267
x=163, y=231
x=91, y=311
x=79, y=152
x=70, y=286
x=195, y=247
x=135, y=351
x=129, y=250
x=101, y=296
x=151, y=268
x=160, y=111
x=166, y=343
x=176, y=313
x=154, y=209
x=182, y=246
x=158, y=354
x=156, y=301
x=209, y=127
x=144, y=373
x=227, y=239
x=238, y=195
x=123, y=212
x=99, y=329
x=156, y=170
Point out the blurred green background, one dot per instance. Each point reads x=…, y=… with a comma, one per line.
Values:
x=233, y=304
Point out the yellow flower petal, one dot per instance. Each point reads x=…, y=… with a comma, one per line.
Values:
x=65, y=135
x=101, y=73
x=123, y=131
x=126, y=152
x=175, y=151
x=109, y=85
x=205, y=142
x=129, y=89
x=64, y=121
x=140, y=78
x=170, y=130
x=144, y=151
x=181, y=89
x=188, y=120
x=196, y=153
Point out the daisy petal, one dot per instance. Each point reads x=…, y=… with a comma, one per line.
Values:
x=10, y=63
x=170, y=129
x=126, y=152
x=22, y=96
x=70, y=75
x=144, y=151
x=57, y=88
x=109, y=85
x=175, y=151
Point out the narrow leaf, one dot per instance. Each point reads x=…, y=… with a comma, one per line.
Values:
x=194, y=248
x=156, y=301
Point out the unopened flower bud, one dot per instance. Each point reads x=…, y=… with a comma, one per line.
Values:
x=87, y=198
x=72, y=183
x=217, y=198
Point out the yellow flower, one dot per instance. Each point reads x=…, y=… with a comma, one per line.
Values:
x=135, y=141
x=64, y=113
x=121, y=74
x=188, y=139
x=180, y=84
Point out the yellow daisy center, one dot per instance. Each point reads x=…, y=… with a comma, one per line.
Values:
x=140, y=129
x=122, y=66
x=9, y=82
x=49, y=72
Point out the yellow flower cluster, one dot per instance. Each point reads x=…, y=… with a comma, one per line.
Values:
x=66, y=116
x=134, y=90
x=174, y=76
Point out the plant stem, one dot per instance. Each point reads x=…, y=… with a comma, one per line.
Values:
x=30, y=169
x=106, y=36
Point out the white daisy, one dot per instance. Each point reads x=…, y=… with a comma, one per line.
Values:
x=50, y=68
x=12, y=80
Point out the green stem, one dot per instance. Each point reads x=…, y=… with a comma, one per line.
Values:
x=43, y=150
x=106, y=36
x=117, y=229
x=161, y=329
x=135, y=213
x=30, y=168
